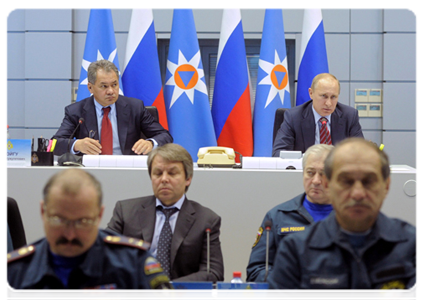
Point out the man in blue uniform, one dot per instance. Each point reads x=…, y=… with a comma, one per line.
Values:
x=357, y=246
x=294, y=215
x=75, y=253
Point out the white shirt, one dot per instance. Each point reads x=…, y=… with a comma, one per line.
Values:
x=160, y=219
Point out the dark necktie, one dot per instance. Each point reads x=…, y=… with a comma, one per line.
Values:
x=165, y=240
x=324, y=132
x=106, y=133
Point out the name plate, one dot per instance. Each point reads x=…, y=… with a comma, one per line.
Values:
x=18, y=153
x=115, y=161
x=272, y=163
x=193, y=290
x=236, y=291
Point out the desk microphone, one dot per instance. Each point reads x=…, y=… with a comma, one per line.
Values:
x=69, y=159
x=267, y=227
x=208, y=249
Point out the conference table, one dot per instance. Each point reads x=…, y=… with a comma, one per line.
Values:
x=240, y=196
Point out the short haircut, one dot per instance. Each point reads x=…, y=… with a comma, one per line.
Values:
x=384, y=159
x=317, y=78
x=71, y=181
x=173, y=153
x=105, y=65
x=319, y=150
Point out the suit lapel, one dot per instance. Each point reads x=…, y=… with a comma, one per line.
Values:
x=122, y=115
x=147, y=219
x=184, y=223
x=90, y=117
x=338, y=125
x=308, y=126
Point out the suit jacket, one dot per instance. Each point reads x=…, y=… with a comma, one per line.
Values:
x=136, y=218
x=297, y=131
x=132, y=118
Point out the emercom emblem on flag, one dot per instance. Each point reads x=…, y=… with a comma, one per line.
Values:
x=277, y=78
x=186, y=77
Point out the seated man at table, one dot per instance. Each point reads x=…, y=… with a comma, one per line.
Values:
x=294, y=215
x=175, y=226
x=322, y=120
x=356, y=246
x=111, y=123
x=75, y=254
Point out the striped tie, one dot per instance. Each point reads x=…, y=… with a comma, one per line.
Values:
x=324, y=132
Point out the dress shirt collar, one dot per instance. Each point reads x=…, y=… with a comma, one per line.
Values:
x=317, y=116
x=178, y=204
x=99, y=107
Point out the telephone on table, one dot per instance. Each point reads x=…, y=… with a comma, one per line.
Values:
x=220, y=157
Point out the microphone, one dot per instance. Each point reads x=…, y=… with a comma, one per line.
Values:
x=208, y=249
x=69, y=159
x=267, y=227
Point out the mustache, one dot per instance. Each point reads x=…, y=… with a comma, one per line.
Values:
x=65, y=241
x=354, y=203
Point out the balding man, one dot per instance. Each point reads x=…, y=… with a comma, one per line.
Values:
x=75, y=254
x=322, y=120
x=357, y=246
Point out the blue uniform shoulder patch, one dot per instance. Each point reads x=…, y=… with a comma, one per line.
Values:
x=127, y=241
x=20, y=253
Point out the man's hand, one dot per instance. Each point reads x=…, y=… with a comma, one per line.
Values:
x=87, y=146
x=142, y=146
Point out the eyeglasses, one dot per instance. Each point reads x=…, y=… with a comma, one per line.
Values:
x=83, y=223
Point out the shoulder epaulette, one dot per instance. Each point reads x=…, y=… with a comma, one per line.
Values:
x=127, y=241
x=20, y=253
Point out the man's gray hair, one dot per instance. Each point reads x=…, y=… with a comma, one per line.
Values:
x=105, y=65
x=319, y=150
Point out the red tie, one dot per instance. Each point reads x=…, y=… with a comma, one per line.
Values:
x=324, y=132
x=106, y=133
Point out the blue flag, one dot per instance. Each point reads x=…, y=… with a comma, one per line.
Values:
x=313, y=59
x=272, y=82
x=187, y=104
x=100, y=44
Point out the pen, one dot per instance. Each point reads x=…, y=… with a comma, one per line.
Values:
x=91, y=134
x=53, y=145
x=50, y=142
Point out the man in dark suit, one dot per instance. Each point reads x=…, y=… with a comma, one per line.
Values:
x=301, y=126
x=185, y=257
x=128, y=118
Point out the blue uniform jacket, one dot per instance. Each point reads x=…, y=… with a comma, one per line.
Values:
x=322, y=258
x=106, y=265
x=287, y=218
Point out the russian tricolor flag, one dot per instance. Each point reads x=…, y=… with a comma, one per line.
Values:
x=100, y=43
x=272, y=82
x=313, y=59
x=185, y=91
x=141, y=75
x=231, y=108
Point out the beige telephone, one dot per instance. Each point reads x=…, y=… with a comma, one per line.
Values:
x=216, y=157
